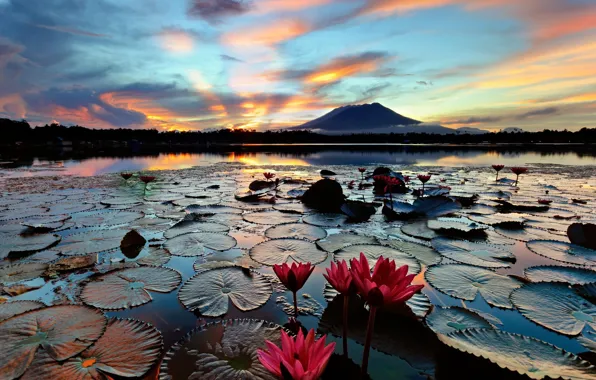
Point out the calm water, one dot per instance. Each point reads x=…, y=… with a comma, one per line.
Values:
x=303, y=156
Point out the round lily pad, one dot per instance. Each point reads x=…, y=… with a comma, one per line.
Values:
x=199, y=243
x=336, y=242
x=473, y=253
x=60, y=331
x=553, y=273
x=46, y=222
x=91, y=242
x=445, y=320
x=418, y=229
x=561, y=251
x=221, y=350
x=374, y=252
x=296, y=231
x=128, y=348
x=213, y=209
x=109, y=218
x=270, y=217
x=525, y=355
x=279, y=251
x=69, y=208
x=326, y=219
x=129, y=287
x=555, y=306
x=10, y=309
x=528, y=233
x=187, y=226
x=466, y=281
x=426, y=255
x=155, y=256
x=25, y=244
x=21, y=271
x=209, y=292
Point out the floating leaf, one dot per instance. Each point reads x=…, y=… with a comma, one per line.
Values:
x=110, y=218
x=68, y=263
x=296, y=231
x=565, y=252
x=525, y=355
x=221, y=351
x=129, y=287
x=528, y=234
x=326, y=219
x=156, y=256
x=358, y=211
x=552, y=273
x=128, y=348
x=466, y=281
x=212, y=210
x=473, y=253
x=60, y=331
x=418, y=229
x=445, y=320
x=187, y=226
x=429, y=207
x=279, y=251
x=69, y=208
x=373, y=252
x=91, y=242
x=209, y=292
x=22, y=213
x=588, y=340
x=10, y=309
x=426, y=255
x=120, y=201
x=338, y=241
x=25, y=244
x=555, y=306
x=21, y=271
x=455, y=226
x=199, y=243
x=270, y=217
x=46, y=222
x=296, y=208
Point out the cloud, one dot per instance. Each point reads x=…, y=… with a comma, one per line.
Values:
x=268, y=34
x=64, y=29
x=474, y=120
x=272, y=6
x=213, y=10
x=538, y=112
x=176, y=40
x=424, y=83
x=226, y=57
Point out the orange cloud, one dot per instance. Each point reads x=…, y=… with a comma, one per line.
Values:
x=272, y=6
x=345, y=67
x=176, y=40
x=268, y=34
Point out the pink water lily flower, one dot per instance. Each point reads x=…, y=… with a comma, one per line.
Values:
x=339, y=276
x=126, y=175
x=268, y=175
x=303, y=358
x=147, y=178
x=517, y=171
x=293, y=277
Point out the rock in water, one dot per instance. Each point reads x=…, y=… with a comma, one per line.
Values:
x=381, y=170
x=582, y=234
x=132, y=243
x=325, y=195
x=327, y=173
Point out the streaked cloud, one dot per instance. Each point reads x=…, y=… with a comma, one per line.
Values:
x=176, y=40
x=268, y=34
x=214, y=10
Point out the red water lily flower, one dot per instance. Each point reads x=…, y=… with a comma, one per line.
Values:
x=147, y=178
x=386, y=286
x=424, y=178
x=361, y=170
x=517, y=171
x=339, y=276
x=268, y=175
x=293, y=277
x=351, y=184
x=303, y=358
x=126, y=175
x=498, y=168
x=407, y=178
x=545, y=201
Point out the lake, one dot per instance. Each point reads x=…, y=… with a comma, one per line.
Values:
x=95, y=163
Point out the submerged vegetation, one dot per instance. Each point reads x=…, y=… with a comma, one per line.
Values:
x=355, y=273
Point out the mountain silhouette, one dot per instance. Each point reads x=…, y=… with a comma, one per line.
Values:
x=374, y=118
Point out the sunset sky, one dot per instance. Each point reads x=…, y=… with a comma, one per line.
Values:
x=268, y=64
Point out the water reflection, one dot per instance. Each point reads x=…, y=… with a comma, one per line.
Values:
x=297, y=156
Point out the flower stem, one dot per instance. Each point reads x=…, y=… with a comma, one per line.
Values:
x=516, y=179
x=345, y=324
x=421, y=195
x=295, y=306
x=497, y=179
x=369, y=331
x=391, y=198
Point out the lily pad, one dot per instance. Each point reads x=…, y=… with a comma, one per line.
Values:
x=525, y=355
x=564, y=252
x=91, y=242
x=199, y=243
x=270, y=217
x=213, y=209
x=555, y=306
x=60, y=331
x=109, y=218
x=155, y=256
x=552, y=273
x=10, y=309
x=428, y=207
x=69, y=208
x=473, y=253
x=128, y=348
x=187, y=226
x=455, y=226
x=426, y=255
x=326, y=219
x=296, y=231
x=209, y=292
x=358, y=211
x=528, y=234
x=466, y=281
x=418, y=229
x=129, y=287
x=45, y=222
x=25, y=244
x=374, y=252
x=220, y=351
x=279, y=251
x=445, y=320
x=336, y=242
x=506, y=221
x=21, y=271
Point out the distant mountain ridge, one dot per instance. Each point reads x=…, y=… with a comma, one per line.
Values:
x=374, y=118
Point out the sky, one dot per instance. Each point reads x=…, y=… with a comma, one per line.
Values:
x=270, y=64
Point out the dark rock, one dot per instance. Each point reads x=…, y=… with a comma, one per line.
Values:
x=132, y=244
x=582, y=234
x=325, y=195
x=327, y=173
x=381, y=170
